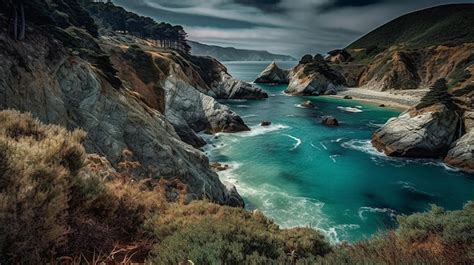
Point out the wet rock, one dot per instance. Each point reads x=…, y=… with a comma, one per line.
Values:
x=308, y=104
x=347, y=97
x=329, y=121
x=265, y=123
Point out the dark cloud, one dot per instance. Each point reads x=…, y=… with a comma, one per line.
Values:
x=294, y=27
x=264, y=5
x=334, y=4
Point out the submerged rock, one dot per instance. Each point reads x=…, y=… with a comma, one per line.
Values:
x=265, y=123
x=425, y=133
x=461, y=154
x=329, y=121
x=273, y=75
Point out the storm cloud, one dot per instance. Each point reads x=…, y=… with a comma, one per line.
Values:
x=292, y=27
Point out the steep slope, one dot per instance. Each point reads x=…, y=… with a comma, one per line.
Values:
x=233, y=54
x=63, y=76
x=448, y=25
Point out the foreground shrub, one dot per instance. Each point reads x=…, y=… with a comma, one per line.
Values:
x=206, y=233
x=438, y=94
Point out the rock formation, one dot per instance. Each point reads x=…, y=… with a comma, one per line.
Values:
x=69, y=88
x=329, y=121
x=461, y=154
x=273, y=75
x=425, y=133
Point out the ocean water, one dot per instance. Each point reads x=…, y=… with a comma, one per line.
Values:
x=301, y=173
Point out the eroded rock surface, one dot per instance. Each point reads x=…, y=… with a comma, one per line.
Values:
x=461, y=154
x=425, y=133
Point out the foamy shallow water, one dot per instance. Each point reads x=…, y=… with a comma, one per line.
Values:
x=301, y=173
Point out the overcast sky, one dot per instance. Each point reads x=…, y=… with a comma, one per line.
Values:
x=292, y=27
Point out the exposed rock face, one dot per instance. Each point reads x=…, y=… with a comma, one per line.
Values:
x=187, y=86
x=338, y=56
x=400, y=73
x=187, y=106
x=315, y=77
x=67, y=90
x=427, y=133
x=273, y=75
x=468, y=121
x=461, y=154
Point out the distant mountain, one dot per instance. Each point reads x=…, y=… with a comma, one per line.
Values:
x=233, y=54
x=441, y=25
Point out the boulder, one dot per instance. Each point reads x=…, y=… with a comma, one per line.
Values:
x=265, y=123
x=425, y=133
x=308, y=104
x=382, y=105
x=347, y=97
x=273, y=75
x=329, y=121
x=461, y=154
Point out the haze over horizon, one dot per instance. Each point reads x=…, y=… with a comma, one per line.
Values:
x=279, y=26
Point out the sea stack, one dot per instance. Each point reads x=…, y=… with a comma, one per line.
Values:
x=273, y=75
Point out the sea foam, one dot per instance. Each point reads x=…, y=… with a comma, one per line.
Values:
x=298, y=141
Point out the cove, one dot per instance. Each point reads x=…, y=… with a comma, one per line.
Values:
x=301, y=173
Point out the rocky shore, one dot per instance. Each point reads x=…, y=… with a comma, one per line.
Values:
x=127, y=94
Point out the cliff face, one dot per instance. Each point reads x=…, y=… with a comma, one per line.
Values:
x=182, y=87
x=399, y=68
x=63, y=86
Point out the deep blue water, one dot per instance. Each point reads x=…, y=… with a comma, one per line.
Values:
x=301, y=173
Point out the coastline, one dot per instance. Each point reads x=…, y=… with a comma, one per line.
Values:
x=400, y=100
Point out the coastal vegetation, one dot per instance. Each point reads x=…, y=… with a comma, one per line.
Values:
x=59, y=204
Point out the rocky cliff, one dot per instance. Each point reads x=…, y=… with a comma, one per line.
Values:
x=187, y=86
x=440, y=126
x=69, y=78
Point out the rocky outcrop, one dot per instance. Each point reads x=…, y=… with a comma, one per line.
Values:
x=425, y=133
x=57, y=86
x=314, y=77
x=339, y=56
x=187, y=85
x=272, y=74
x=461, y=154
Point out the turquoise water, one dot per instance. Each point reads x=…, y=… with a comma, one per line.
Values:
x=301, y=173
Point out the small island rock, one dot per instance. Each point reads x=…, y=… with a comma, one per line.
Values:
x=308, y=104
x=329, y=121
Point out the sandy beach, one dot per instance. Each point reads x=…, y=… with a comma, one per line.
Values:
x=402, y=99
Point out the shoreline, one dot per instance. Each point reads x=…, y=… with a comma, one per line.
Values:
x=398, y=100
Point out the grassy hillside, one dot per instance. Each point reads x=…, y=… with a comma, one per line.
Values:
x=441, y=25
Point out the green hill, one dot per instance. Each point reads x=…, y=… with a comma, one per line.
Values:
x=441, y=25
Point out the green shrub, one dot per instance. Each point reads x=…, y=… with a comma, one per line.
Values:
x=438, y=94
x=206, y=233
